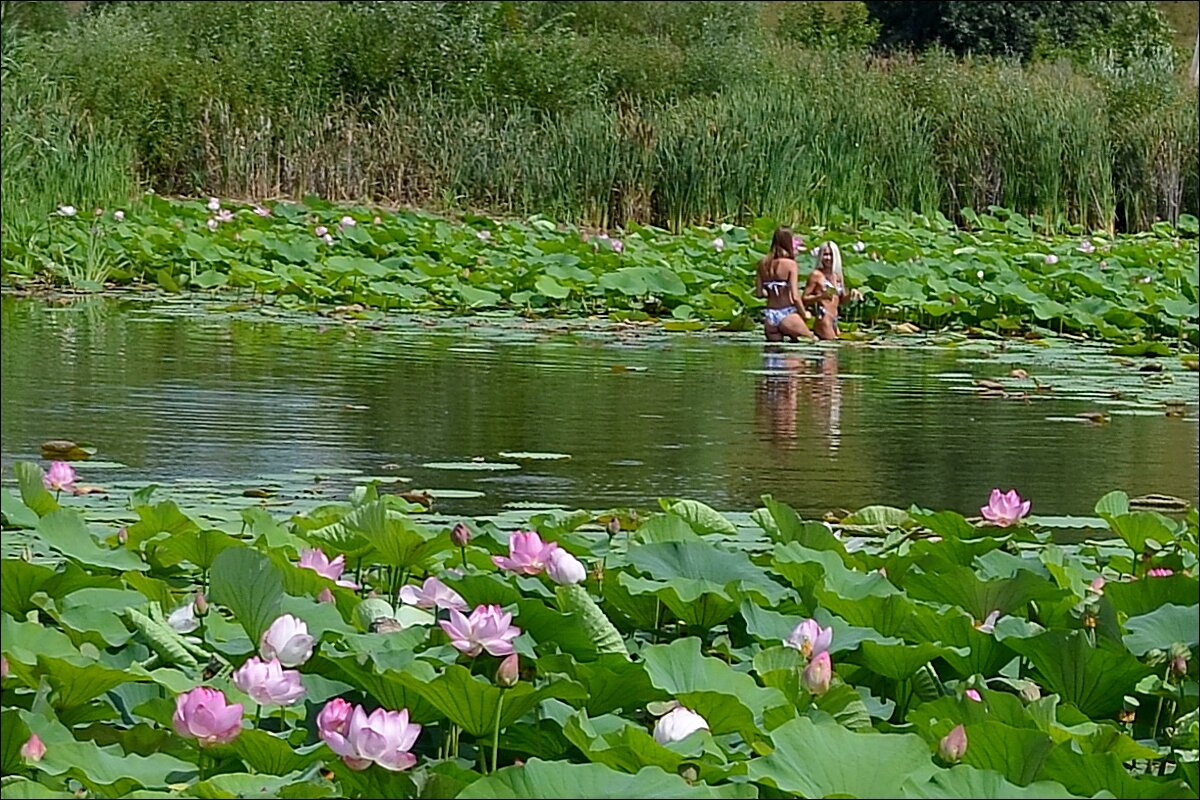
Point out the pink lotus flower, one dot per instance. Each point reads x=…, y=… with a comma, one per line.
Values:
x=214, y=204
x=527, y=553
x=316, y=560
x=432, y=594
x=119, y=215
x=1086, y=246
x=327, y=238
x=1097, y=585
x=348, y=221
x=212, y=224
x=60, y=476
x=205, y=715
x=858, y=247
x=678, y=724
x=989, y=623
x=33, y=749
x=268, y=683
x=384, y=737
x=818, y=674
x=564, y=568
x=810, y=638
x=262, y=211
x=509, y=671
x=483, y=235
x=66, y=211
x=325, y=596
x=488, y=628
x=718, y=244
x=1005, y=509
x=1051, y=259
x=287, y=639
x=320, y=231
x=460, y=535
x=224, y=215
x=1160, y=572
x=954, y=744
x=973, y=694
x=377, y=221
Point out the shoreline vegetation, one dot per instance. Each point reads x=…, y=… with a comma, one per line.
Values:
x=634, y=113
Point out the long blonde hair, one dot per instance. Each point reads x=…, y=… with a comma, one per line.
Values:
x=839, y=278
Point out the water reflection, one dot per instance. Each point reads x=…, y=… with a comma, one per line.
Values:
x=789, y=381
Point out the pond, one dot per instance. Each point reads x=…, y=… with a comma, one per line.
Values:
x=203, y=395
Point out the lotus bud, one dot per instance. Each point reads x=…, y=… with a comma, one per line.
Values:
x=564, y=568
x=460, y=535
x=509, y=671
x=33, y=749
x=325, y=596
x=818, y=674
x=1179, y=661
x=3, y=668
x=954, y=744
x=1030, y=692
x=973, y=694
x=201, y=604
x=122, y=535
x=614, y=526
x=119, y=215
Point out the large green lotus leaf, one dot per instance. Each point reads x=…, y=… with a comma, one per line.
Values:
x=1088, y=775
x=15, y=513
x=602, y=635
x=881, y=516
x=559, y=779
x=472, y=702
x=701, y=518
x=1163, y=627
x=65, y=531
x=233, y=785
x=620, y=744
x=398, y=542
x=958, y=585
x=986, y=654
x=164, y=517
x=199, y=547
x=898, y=660
x=19, y=581
x=889, y=615
x=13, y=734
x=666, y=528
x=484, y=589
x=963, y=780
x=34, y=494
x=106, y=771
x=552, y=629
x=78, y=681
x=1135, y=598
x=826, y=760
x=702, y=561
x=809, y=569
x=613, y=681
x=699, y=604
x=97, y=614
x=1095, y=679
x=1015, y=753
x=269, y=754
x=728, y=700
x=1139, y=527
x=1114, y=504
x=627, y=596
x=25, y=641
x=390, y=687
x=783, y=525
x=947, y=524
x=251, y=587
x=18, y=788
x=635, y=281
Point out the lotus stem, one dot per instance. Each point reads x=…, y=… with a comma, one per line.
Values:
x=463, y=551
x=496, y=732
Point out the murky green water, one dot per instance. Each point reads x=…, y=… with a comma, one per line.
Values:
x=242, y=400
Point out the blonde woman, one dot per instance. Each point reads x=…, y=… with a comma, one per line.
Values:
x=825, y=290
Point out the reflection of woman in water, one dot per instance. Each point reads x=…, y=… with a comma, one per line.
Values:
x=777, y=281
x=825, y=290
x=784, y=379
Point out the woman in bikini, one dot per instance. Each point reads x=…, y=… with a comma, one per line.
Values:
x=826, y=289
x=785, y=315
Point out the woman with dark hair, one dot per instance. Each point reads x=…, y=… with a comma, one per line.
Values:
x=776, y=280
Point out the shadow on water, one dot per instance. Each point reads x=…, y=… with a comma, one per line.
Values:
x=177, y=392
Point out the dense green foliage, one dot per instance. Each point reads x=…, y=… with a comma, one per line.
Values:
x=1070, y=669
x=596, y=113
x=1000, y=274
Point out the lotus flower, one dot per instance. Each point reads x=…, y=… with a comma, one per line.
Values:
x=618, y=246
x=810, y=638
x=509, y=671
x=200, y=604
x=348, y=221
x=268, y=683
x=1051, y=259
x=212, y=224
x=33, y=749
x=483, y=235
x=677, y=724
x=818, y=674
x=316, y=560
x=798, y=244
x=527, y=553
x=488, y=628
x=460, y=535
x=205, y=715
x=287, y=639
x=384, y=737
x=432, y=594
x=1179, y=663
x=183, y=619
x=66, y=211
x=214, y=204
x=60, y=476
x=989, y=623
x=327, y=238
x=325, y=596
x=1097, y=585
x=614, y=526
x=564, y=568
x=1086, y=246
x=3, y=668
x=858, y=247
x=1005, y=509
x=973, y=694
x=119, y=215
x=224, y=215
x=979, y=274
x=1160, y=572
x=377, y=221
x=320, y=231
x=262, y=211
x=954, y=744
x=718, y=244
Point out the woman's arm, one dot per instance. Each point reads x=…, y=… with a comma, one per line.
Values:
x=813, y=290
x=758, y=282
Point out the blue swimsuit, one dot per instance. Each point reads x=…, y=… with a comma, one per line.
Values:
x=774, y=316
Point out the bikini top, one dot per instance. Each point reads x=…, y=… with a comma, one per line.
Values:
x=775, y=286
